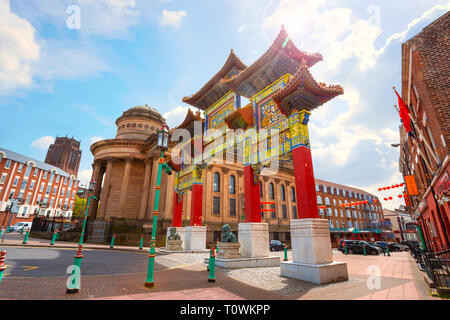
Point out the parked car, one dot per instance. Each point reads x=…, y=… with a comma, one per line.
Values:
x=276, y=245
x=397, y=247
x=20, y=225
x=356, y=247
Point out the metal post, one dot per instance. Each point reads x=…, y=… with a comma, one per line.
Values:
x=25, y=240
x=150, y=283
x=285, y=253
x=364, y=250
x=112, y=241
x=52, y=243
x=79, y=255
x=141, y=244
x=387, y=249
x=212, y=266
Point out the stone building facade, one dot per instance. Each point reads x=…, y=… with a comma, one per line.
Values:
x=125, y=168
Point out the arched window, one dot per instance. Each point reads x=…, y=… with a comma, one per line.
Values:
x=293, y=194
x=216, y=184
x=271, y=191
x=283, y=193
x=232, y=185
x=319, y=200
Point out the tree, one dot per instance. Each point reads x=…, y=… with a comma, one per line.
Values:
x=79, y=207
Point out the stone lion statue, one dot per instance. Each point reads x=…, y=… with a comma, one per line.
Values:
x=173, y=234
x=227, y=235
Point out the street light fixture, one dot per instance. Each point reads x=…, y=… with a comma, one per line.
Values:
x=162, y=142
x=74, y=285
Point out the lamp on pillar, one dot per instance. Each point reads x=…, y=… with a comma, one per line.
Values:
x=162, y=143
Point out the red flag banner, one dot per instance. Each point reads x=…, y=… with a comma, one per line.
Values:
x=404, y=113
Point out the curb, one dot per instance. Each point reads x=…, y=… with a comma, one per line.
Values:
x=73, y=247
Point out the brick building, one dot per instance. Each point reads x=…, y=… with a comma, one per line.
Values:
x=65, y=154
x=39, y=187
x=426, y=92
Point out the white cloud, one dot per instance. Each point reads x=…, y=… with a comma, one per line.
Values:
x=242, y=27
x=177, y=115
x=172, y=18
x=110, y=18
x=336, y=32
x=67, y=61
x=400, y=36
x=85, y=177
x=19, y=50
x=95, y=139
x=43, y=143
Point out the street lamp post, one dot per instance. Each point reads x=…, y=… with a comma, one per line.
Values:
x=163, y=141
x=74, y=286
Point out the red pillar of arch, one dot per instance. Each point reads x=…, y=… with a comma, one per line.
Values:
x=177, y=211
x=305, y=185
x=196, y=204
x=252, y=200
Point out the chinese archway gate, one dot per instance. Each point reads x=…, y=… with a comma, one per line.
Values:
x=272, y=127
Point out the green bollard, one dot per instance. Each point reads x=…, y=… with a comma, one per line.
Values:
x=364, y=250
x=1, y=232
x=387, y=249
x=25, y=240
x=52, y=243
x=2, y=264
x=212, y=266
x=8, y=229
x=345, y=249
x=141, y=244
x=112, y=241
x=285, y=253
x=21, y=231
x=217, y=248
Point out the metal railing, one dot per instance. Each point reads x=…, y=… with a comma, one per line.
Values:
x=435, y=264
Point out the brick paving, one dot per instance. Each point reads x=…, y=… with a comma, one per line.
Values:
x=400, y=280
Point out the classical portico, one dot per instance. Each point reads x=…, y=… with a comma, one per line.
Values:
x=125, y=168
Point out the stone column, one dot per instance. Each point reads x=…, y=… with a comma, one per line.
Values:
x=97, y=176
x=146, y=189
x=105, y=189
x=124, y=188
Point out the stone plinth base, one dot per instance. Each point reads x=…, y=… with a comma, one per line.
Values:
x=315, y=273
x=195, y=239
x=254, y=240
x=238, y=263
x=312, y=253
x=181, y=231
x=228, y=250
x=174, y=245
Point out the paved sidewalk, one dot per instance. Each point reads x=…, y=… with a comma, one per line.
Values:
x=400, y=279
x=44, y=243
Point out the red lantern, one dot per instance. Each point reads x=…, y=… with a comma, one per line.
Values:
x=388, y=188
x=385, y=199
x=379, y=189
x=401, y=184
x=400, y=196
x=390, y=198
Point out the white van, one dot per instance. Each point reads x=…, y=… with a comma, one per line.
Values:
x=19, y=225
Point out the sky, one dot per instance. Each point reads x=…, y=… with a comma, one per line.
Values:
x=72, y=67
